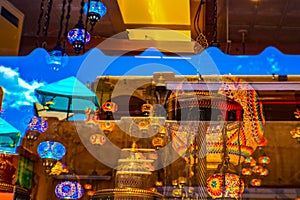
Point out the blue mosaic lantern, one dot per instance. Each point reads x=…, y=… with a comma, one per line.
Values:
x=78, y=37
x=57, y=58
x=94, y=10
x=51, y=149
x=69, y=190
x=36, y=126
x=50, y=152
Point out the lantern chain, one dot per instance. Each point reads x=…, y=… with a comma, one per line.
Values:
x=86, y=23
x=61, y=21
x=68, y=15
x=40, y=19
x=215, y=24
x=81, y=11
x=47, y=20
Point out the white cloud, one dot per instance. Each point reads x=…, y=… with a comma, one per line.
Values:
x=17, y=91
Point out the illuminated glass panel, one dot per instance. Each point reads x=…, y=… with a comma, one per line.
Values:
x=175, y=12
x=159, y=34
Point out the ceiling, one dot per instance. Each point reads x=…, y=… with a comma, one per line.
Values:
x=264, y=22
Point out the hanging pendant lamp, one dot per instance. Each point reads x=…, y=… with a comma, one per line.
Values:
x=50, y=152
x=94, y=10
x=225, y=183
x=36, y=126
x=57, y=58
x=79, y=36
x=69, y=190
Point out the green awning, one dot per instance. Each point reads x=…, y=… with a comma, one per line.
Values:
x=9, y=135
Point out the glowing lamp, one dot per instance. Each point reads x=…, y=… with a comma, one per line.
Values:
x=158, y=183
x=264, y=172
x=90, y=193
x=107, y=127
x=147, y=109
x=57, y=58
x=234, y=186
x=246, y=171
x=98, y=139
x=69, y=190
x=264, y=160
x=94, y=10
x=32, y=135
x=251, y=161
x=51, y=149
x=78, y=37
x=109, y=107
x=87, y=186
x=255, y=182
x=36, y=126
x=257, y=169
x=50, y=152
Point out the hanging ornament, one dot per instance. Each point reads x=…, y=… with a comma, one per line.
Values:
x=79, y=36
x=264, y=160
x=50, y=152
x=255, y=182
x=98, y=139
x=107, y=127
x=69, y=190
x=57, y=58
x=234, y=186
x=36, y=126
x=94, y=10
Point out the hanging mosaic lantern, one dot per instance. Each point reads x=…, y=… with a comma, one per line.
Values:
x=109, y=107
x=90, y=193
x=264, y=172
x=246, y=171
x=107, y=127
x=69, y=190
x=234, y=186
x=255, y=182
x=98, y=139
x=251, y=161
x=50, y=152
x=87, y=186
x=57, y=58
x=78, y=37
x=94, y=10
x=147, y=109
x=36, y=126
x=264, y=160
x=257, y=169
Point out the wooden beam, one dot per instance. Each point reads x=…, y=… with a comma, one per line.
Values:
x=113, y=46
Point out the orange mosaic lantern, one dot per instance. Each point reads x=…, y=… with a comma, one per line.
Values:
x=264, y=160
x=107, y=127
x=109, y=107
x=255, y=182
